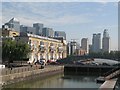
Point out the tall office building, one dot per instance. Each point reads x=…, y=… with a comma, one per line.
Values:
x=13, y=24
x=48, y=32
x=38, y=27
x=106, y=41
x=85, y=45
x=96, y=42
x=68, y=49
x=27, y=29
x=60, y=34
x=73, y=47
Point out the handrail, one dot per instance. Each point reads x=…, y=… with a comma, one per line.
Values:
x=111, y=71
x=112, y=75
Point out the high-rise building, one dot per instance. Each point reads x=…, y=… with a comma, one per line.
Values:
x=73, y=47
x=27, y=29
x=106, y=41
x=13, y=24
x=96, y=42
x=68, y=49
x=39, y=28
x=90, y=48
x=85, y=45
x=60, y=34
x=48, y=32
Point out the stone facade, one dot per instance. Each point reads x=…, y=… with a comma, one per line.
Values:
x=43, y=47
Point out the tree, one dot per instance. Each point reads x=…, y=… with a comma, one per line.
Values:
x=12, y=50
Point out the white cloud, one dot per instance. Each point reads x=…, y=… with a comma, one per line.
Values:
x=69, y=19
x=43, y=15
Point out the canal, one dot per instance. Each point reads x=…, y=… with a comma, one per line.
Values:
x=59, y=81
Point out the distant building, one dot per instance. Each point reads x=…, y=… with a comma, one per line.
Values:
x=80, y=52
x=60, y=34
x=43, y=47
x=96, y=43
x=38, y=27
x=27, y=29
x=48, y=32
x=68, y=49
x=9, y=33
x=72, y=46
x=85, y=45
x=90, y=48
x=106, y=41
x=13, y=24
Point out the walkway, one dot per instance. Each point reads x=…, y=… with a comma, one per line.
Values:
x=108, y=85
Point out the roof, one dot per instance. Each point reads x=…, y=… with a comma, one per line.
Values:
x=14, y=19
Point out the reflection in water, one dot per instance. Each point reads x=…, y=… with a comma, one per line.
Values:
x=57, y=81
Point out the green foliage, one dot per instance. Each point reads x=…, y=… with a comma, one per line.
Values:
x=112, y=55
x=12, y=50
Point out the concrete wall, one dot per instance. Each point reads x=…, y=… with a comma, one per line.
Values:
x=27, y=75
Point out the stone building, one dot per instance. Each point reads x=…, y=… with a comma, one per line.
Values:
x=43, y=47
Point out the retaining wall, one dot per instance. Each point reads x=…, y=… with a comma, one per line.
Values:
x=27, y=75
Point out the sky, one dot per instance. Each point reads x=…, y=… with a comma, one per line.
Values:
x=78, y=19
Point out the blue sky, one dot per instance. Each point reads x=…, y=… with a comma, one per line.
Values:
x=77, y=19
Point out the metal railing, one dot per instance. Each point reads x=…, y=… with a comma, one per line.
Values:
x=112, y=75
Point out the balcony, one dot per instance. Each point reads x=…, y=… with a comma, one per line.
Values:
x=42, y=48
x=52, y=49
x=60, y=49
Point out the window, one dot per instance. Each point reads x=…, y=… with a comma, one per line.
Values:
x=41, y=43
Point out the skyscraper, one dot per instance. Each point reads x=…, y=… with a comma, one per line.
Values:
x=96, y=42
x=85, y=45
x=27, y=29
x=106, y=41
x=48, y=32
x=73, y=47
x=13, y=24
x=38, y=27
x=60, y=34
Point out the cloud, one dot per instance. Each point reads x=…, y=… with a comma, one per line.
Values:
x=71, y=20
x=49, y=15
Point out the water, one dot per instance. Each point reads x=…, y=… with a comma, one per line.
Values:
x=59, y=81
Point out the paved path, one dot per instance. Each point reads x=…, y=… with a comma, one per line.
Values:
x=108, y=85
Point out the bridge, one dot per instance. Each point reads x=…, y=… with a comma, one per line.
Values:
x=112, y=75
x=109, y=75
x=108, y=85
x=111, y=79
